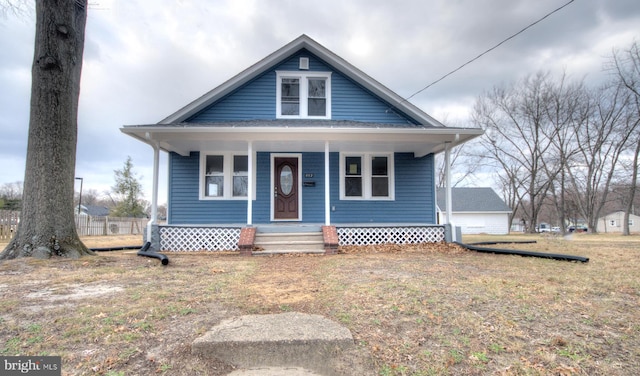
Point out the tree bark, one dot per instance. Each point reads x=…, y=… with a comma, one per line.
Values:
x=47, y=226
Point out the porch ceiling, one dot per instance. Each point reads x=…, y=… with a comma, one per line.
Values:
x=185, y=139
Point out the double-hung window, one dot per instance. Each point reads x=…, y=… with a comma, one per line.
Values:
x=303, y=95
x=366, y=176
x=224, y=176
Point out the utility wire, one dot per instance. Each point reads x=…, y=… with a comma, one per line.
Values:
x=489, y=50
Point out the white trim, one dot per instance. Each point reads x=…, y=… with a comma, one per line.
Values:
x=251, y=172
x=273, y=184
x=227, y=171
x=327, y=186
x=366, y=176
x=447, y=167
x=304, y=92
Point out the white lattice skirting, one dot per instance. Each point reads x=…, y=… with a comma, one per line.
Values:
x=387, y=235
x=190, y=239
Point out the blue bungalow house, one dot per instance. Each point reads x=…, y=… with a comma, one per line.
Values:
x=300, y=140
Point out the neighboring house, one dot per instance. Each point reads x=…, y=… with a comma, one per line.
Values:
x=614, y=222
x=94, y=210
x=301, y=137
x=476, y=210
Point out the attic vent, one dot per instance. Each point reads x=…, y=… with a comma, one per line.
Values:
x=304, y=63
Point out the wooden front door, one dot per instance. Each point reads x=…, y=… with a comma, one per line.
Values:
x=285, y=176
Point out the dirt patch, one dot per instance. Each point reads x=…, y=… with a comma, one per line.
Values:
x=265, y=289
x=71, y=292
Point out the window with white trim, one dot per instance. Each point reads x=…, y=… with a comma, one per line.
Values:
x=612, y=222
x=303, y=95
x=224, y=176
x=366, y=176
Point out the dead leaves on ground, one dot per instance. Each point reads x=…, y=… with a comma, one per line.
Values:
x=442, y=247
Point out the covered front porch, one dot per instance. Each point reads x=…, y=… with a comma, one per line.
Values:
x=324, y=150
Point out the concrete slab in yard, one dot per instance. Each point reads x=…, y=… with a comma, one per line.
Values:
x=274, y=371
x=290, y=339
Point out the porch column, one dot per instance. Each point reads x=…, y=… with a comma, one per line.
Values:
x=447, y=170
x=327, y=196
x=250, y=183
x=154, y=191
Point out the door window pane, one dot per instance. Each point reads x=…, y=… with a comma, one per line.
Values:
x=286, y=180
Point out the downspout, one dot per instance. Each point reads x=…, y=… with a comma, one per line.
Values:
x=327, y=186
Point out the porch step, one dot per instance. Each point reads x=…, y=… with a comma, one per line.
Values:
x=288, y=242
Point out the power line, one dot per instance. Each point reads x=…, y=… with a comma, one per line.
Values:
x=489, y=50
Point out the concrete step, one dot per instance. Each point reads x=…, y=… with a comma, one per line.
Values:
x=301, y=344
x=290, y=241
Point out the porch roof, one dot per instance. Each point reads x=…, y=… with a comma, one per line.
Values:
x=300, y=135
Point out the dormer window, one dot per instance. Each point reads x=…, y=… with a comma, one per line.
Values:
x=303, y=95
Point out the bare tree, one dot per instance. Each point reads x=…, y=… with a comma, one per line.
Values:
x=564, y=110
x=11, y=195
x=464, y=165
x=47, y=226
x=602, y=139
x=510, y=186
x=627, y=68
x=518, y=138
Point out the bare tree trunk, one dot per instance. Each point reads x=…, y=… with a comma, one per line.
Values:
x=47, y=225
x=632, y=190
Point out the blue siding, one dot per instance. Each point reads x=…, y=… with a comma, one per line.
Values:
x=257, y=98
x=262, y=204
x=313, y=197
x=185, y=207
x=414, y=194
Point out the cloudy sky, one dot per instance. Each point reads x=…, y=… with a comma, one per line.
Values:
x=145, y=59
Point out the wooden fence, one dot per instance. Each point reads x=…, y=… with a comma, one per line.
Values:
x=8, y=223
x=89, y=225
x=86, y=225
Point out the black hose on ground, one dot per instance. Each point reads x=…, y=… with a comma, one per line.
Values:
x=505, y=242
x=144, y=251
x=497, y=251
x=121, y=248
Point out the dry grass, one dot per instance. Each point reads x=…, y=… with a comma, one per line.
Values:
x=421, y=310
